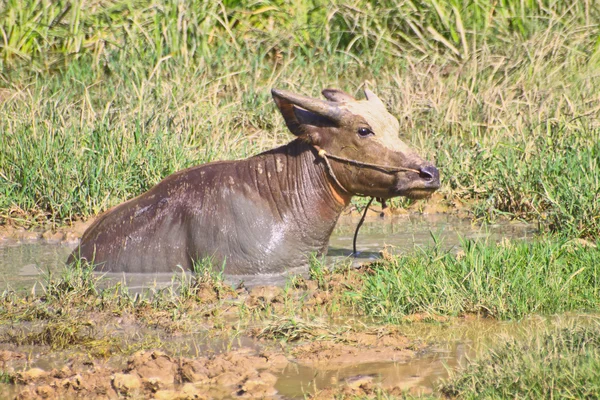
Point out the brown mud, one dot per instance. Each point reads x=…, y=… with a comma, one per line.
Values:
x=297, y=341
x=68, y=234
x=215, y=343
x=268, y=342
x=154, y=374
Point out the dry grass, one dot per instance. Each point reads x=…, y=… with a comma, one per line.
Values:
x=103, y=100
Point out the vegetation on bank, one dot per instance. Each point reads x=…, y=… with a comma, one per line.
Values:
x=562, y=363
x=505, y=281
x=100, y=101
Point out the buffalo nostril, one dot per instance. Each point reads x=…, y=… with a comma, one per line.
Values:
x=429, y=173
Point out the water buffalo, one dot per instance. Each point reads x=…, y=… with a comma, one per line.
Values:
x=268, y=212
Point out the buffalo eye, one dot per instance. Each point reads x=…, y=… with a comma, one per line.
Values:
x=364, y=132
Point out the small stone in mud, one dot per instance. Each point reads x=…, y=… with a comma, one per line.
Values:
x=152, y=384
x=53, y=237
x=71, y=237
x=7, y=356
x=74, y=382
x=228, y=379
x=126, y=384
x=45, y=391
x=259, y=386
x=275, y=361
x=187, y=392
x=360, y=381
x=194, y=371
x=320, y=298
x=31, y=375
x=420, y=391
x=154, y=364
x=28, y=235
x=264, y=295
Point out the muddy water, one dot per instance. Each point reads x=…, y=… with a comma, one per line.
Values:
x=23, y=264
x=441, y=345
x=448, y=345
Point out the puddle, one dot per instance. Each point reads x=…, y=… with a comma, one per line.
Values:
x=442, y=347
x=23, y=264
x=449, y=345
x=403, y=233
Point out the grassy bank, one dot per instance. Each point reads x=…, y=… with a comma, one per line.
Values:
x=563, y=363
x=102, y=100
x=506, y=281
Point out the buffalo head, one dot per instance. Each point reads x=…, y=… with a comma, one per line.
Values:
x=362, y=138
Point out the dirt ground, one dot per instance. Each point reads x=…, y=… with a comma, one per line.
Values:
x=301, y=328
x=239, y=373
x=244, y=372
x=270, y=334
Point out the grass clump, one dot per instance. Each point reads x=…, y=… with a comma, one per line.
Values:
x=561, y=364
x=551, y=178
x=291, y=329
x=58, y=334
x=504, y=281
x=76, y=282
x=206, y=284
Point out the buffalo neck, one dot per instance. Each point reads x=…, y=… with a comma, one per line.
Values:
x=294, y=178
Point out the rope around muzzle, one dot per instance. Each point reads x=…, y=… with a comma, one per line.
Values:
x=383, y=168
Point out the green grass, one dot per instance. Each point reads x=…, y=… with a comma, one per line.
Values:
x=505, y=281
x=100, y=101
x=563, y=363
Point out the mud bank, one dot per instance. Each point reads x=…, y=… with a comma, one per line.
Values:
x=154, y=374
x=240, y=373
x=211, y=342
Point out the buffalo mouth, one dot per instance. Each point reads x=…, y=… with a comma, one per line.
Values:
x=418, y=194
x=419, y=186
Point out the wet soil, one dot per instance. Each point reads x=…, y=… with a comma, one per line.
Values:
x=323, y=362
x=201, y=355
x=154, y=374
x=271, y=337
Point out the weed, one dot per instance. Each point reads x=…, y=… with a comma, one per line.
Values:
x=6, y=377
x=206, y=283
x=318, y=271
x=293, y=329
x=76, y=281
x=59, y=334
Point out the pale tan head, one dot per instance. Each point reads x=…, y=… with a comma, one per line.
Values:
x=361, y=130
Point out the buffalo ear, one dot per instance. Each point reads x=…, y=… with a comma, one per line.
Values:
x=289, y=115
x=337, y=95
x=304, y=115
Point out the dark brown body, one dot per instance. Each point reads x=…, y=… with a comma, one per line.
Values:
x=259, y=215
x=269, y=212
